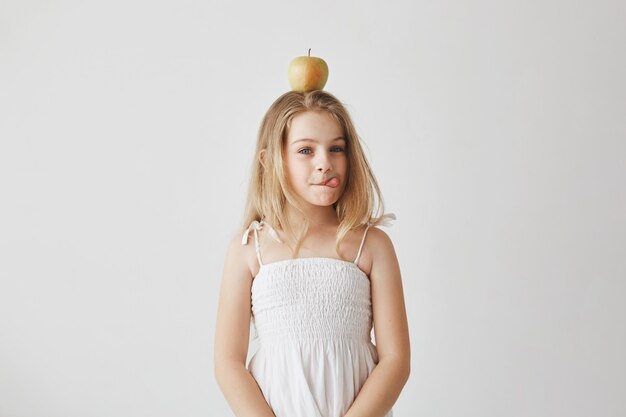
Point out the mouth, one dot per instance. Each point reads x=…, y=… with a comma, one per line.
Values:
x=332, y=183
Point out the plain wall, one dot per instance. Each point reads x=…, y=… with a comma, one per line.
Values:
x=496, y=130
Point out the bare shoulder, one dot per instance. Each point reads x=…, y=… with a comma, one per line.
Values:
x=379, y=239
x=381, y=245
x=382, y=253
x=239, y=256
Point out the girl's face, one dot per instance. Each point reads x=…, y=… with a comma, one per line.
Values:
x=315, y=157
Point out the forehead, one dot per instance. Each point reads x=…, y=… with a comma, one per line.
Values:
x=317, y=125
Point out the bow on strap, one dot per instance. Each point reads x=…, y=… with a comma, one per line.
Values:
x=385, y=220
x=256, y=226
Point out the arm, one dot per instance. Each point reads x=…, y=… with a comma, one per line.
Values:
x=384, y=384
x=232, y=335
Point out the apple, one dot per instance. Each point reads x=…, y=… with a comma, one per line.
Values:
x=307, y=73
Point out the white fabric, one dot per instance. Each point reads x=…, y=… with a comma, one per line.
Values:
x=313, y=320
x=386, y=219
x=258, y=225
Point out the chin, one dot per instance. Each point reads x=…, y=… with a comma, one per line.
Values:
x=326, y=203
x=325, y=199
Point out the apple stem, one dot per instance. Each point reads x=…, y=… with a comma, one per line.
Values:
x=309, y=51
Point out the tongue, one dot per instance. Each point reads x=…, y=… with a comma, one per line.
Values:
x=333, y=182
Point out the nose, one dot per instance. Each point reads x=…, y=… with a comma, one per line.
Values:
x=323, y=163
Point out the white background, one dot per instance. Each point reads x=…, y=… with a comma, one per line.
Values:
x=496, y=130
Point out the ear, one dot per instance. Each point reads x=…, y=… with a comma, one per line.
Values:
x=262, y=158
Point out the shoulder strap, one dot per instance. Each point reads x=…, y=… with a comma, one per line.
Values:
x=256, y=226
x=385, y=220
x=358, y=255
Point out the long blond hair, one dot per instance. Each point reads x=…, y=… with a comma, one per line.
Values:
x=269, y=191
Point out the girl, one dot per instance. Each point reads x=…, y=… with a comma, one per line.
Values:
x=312, y=284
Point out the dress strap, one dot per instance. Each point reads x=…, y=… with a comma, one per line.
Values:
x=386, y=221
x=358, y=255
x=256, y=226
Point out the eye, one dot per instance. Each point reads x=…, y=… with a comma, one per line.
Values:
x=308, y=151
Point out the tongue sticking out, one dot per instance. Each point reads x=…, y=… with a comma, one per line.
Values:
x=333, y=182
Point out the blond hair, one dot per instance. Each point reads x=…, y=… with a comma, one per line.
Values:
x=269, y=191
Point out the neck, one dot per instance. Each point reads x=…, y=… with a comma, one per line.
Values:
x=317, y=215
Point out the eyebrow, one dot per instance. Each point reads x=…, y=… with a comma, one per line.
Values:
x=316, y=141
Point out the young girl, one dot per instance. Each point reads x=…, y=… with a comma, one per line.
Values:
x=316, y=279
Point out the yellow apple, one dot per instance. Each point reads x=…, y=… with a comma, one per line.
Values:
x=307, y=73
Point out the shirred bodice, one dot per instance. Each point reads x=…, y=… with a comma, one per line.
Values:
x=311, y=298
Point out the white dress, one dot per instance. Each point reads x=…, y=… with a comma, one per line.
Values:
x=313, y=320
